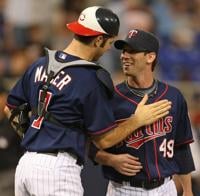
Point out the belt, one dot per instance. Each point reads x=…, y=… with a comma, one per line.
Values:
x=154, y=183
x=56, y=152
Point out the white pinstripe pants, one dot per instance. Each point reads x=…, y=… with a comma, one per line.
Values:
x=47, y=175
x=116, y=189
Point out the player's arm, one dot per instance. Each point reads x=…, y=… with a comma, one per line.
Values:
x=185, y=181
x=125, y=164
x=144, y=115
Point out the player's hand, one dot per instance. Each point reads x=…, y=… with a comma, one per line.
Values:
x=147, y=114
x=125, y=164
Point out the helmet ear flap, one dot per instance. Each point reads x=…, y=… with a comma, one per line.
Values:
x=108, y=20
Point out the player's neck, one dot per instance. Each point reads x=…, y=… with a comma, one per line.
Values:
x=141, y=82
x=81, y=50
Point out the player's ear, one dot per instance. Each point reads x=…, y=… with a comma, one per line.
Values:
x=151, y=56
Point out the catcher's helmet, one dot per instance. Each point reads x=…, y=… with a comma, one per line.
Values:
x=95, y=21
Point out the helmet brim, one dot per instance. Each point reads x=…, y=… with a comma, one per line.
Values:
x=79, y=29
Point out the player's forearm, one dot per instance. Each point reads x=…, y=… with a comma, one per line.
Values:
x=118, y=134
x=144, y=115
x=103, y=158
x=186, y=183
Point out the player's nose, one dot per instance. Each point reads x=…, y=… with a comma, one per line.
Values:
x=125, y=54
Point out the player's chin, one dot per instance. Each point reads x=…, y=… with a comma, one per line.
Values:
x=126, y=69
x=126, y=72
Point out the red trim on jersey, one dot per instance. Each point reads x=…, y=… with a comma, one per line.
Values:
x=103, y=130
x=165, y=91
x=122, y=95
x=134, y=102
x=121, y=120
x=185, y=142
x=156, y=158
x=11, y=106
x=147, y=168
x=81, y=30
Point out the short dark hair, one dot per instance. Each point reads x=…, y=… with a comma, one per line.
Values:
x=88, y=39
x=84, y=39
x=154, y=64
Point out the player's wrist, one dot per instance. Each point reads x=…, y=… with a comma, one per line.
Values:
x=187, y=192
x=137, y=120
x=110, y=160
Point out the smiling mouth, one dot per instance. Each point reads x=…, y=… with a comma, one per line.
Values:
x=126, y=64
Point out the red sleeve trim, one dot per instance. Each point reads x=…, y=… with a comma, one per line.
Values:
x=11, y=106
x=185, y=142
x=103, y=130
x=121, y=120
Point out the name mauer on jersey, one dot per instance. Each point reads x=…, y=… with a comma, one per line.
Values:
x=150, y=132
x=61, y=79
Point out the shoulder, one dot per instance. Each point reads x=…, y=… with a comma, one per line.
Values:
x=120, y=88
x=85, y=74
x=39, y=62
x=173, y=94
x=84, y=80
x=120, y=93
x=171, y=89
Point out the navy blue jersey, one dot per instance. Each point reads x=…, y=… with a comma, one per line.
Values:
x=155, y=144
x=74, y=96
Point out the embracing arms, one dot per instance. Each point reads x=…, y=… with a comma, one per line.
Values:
x=144, y=115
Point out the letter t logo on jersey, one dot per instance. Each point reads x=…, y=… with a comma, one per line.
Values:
x=132, y=33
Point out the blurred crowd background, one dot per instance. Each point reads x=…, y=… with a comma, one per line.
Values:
x=27, y=26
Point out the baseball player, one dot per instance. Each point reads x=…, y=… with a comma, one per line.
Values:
x=69, y=95
x=143, y=163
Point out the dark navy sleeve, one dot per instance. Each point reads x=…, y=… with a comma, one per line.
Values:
x=184, y=132
x=92, y=153
x=183, y=155
x=98, y=114
x=19, y=93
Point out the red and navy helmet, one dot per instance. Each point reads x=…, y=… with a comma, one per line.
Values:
x=95, y=21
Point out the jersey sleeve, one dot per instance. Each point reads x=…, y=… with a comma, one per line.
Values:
x=92, y=153
x=98, y=113
x=183, y=155
x=184, y=132
x=19, y=93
